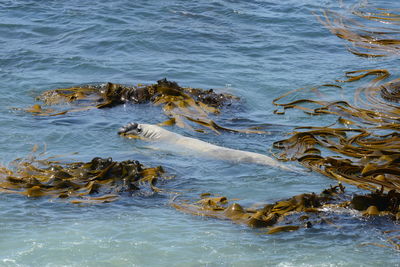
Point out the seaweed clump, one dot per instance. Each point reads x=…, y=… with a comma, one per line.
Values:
x=181, y=104
x=302, y=211
x=97, y=181
x=378, y=203
x=112, y=94
x=362, y=145
x=268, y=216
x=391, y=91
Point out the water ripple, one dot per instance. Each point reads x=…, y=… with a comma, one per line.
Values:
x=254, y=49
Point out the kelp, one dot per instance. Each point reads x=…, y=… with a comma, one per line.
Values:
x=362, y=160
x=362, y=146
x=268, y=216
x=378, y=203
x=301, y=211
x=183, y=105
x=372, y=32
x=97, y=181
x=370, y=109
x=391, y=91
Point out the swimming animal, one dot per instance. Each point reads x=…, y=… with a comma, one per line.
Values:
x=156, y=133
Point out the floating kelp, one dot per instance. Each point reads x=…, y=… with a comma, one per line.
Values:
x=391, y=91
x=100, y=180
x=368, y=29
x=38, y=110
x=368, y=162
x=362, y=147
x=378, y=203
x=370, y=109
x=182, y=105
x=267, y=216
x=301, y=211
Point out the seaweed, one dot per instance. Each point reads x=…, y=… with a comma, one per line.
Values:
x=377, y=40
x=361, y=147
x=267, y=216
x=97, y=181
x=378, y=203
x=183, y=105
x=302, y=211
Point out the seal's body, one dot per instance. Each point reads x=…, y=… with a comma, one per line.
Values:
x=156, y=133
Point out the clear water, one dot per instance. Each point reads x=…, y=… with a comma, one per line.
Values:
x=254, y=49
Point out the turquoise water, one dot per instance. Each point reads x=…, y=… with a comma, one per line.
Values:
x=254, y=49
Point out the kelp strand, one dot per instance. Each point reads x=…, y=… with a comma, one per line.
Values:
x=100, y=180
x=358, y=153
x=267, y=216
x=305, y=210
x=378, y=41
x=183, y=105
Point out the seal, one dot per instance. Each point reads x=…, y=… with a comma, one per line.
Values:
x=155, y=133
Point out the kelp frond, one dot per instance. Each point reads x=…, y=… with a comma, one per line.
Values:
x=372, y=32
x=183, y=105
x=97, y=181
x=362, y=146
x=267, y=216
x=376, y=203
x=299, y=212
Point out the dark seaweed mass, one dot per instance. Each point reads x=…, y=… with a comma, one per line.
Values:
x=99, y=180
x=182, y=105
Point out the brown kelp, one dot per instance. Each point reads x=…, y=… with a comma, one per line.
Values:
x=183, y=105
x=110, y=94
x=372, y=32
x=301, y=211
x=97, y=181
x=362, y=146
x=267, y=216
x=378, y=203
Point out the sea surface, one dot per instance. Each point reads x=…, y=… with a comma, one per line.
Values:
x=257, y=50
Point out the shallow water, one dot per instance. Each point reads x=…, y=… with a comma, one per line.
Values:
x=254, y=49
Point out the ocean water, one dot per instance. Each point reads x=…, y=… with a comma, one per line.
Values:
x=257, y=50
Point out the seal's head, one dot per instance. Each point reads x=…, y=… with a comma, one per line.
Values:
x=132, y=129
x=143, y=131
